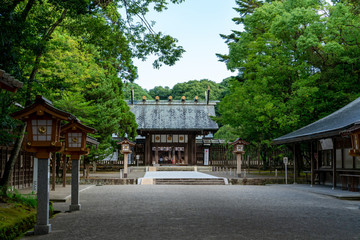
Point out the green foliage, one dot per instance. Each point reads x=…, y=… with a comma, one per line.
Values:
x=15, y=219
x=7, y=123
x=78, y=54
x=190, y=89
x=227, y=132
x=139, y=92
x=162, y=92
x=194, y=88
x=298, y=62
x=27, y=200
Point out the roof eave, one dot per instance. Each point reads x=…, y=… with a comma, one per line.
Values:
x=334, y=133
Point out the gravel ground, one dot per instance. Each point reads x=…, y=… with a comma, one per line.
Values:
x=205, y=212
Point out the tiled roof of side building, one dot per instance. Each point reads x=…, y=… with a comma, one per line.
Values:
x=328, y=126
x=8, y=82
x=174, y=116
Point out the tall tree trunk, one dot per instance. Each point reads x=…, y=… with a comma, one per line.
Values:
x=4, y=183
x=15, y=152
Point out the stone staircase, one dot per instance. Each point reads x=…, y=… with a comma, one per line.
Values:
x=189, y=181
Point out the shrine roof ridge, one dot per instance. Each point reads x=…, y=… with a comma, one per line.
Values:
x=174, y=102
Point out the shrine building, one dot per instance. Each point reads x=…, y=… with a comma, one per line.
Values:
x=168, y=129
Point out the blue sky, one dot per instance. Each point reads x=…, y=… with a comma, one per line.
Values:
x=197, y=25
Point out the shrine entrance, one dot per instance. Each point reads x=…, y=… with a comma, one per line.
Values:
x=169, y=155
x=170, y=149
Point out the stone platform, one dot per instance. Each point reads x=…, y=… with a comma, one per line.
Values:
x=180, y=178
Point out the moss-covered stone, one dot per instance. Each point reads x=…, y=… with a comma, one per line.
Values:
x=15, y=219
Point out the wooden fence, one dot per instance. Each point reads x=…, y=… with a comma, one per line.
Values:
x=22, y=175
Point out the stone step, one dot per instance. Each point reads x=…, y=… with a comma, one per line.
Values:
x=189, y=181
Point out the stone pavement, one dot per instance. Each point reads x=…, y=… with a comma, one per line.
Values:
x=324, y=190
x=206, y=212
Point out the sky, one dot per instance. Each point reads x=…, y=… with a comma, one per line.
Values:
x=197, y=25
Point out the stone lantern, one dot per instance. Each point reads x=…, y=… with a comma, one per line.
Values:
x=126, y=150
x=239, y=149
x=75, y=145
x=43, y=128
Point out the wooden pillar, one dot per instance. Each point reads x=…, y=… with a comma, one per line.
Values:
x=63, y=156
x=294, y=154
x=173, y=156
x=186, y=153
x=334, y=163
x=53, y=172
x=179, y=156
x=148, y=149
x=312, y=162
x=156, y=155
x=190, y=152
x=192, y=147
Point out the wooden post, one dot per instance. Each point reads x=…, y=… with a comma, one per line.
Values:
x=334, y=163
x=193, y=138
x=156, y=155
x=312, y=162
x=148, y=149
x=294, y=154
x=63, y=156
x=53, y=172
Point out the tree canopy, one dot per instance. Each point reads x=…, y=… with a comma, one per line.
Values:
x=298, y=61
x=79, y=54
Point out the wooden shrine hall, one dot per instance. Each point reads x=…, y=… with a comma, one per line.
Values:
x=168, y=129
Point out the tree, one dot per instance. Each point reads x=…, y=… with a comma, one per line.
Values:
x=162, y=92
x=298, y=63
x=112, y=40
x=198, y=88
x=139, y=92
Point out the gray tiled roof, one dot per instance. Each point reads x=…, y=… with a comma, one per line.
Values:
x=174, y=116
x=328, y=126
x=8, y=82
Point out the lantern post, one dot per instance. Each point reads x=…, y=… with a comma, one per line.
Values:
x=75, y=135
x=43, y=129
x=126, y=150
x=239, y=149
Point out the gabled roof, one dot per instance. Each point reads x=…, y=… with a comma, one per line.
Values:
x=43, y=105
x=328, y=126
x=173, y=116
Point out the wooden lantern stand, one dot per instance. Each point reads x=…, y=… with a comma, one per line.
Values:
x=75, y=145
x=43, y=128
